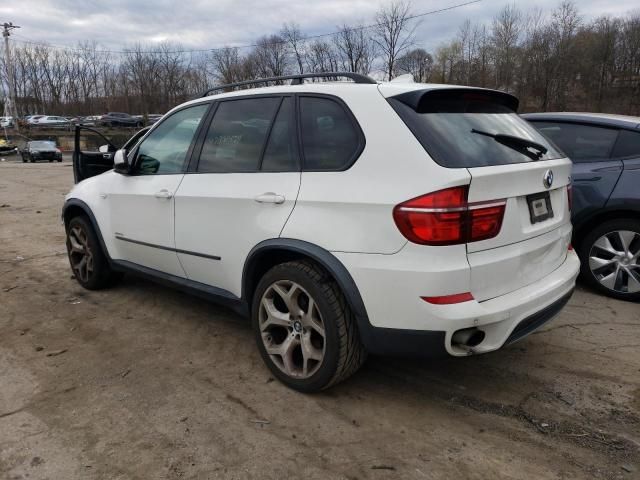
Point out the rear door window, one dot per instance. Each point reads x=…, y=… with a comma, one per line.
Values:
x=627, y=145
x=581, y=143
x=330, y=138
x=237, y=135
x=458, y=128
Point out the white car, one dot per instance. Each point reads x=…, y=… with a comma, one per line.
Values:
x=345, y=218
x=6, y=122
x=51, y=121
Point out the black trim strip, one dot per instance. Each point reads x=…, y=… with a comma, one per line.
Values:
x=177, y=250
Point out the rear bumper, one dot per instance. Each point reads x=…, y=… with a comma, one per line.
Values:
x=419, y=343
x=419, y=328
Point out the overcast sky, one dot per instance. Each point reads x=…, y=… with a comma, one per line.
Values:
x=203, y=24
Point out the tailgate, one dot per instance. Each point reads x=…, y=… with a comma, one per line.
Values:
x=528, y=247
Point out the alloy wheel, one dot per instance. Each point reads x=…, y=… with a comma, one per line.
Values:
x=614, y=261
x=292, y=329
x=80, y=253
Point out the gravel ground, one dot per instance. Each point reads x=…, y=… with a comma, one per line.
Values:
x=142, y=382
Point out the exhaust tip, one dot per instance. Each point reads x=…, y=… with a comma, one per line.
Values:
x=468, y=337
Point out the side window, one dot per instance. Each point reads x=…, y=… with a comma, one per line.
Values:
x=329, y=137
x=237, y=135
x=581, y=143
x=165, y=149
x=280, y=154
x=628, y=145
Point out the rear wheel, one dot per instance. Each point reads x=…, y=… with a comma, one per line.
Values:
x=305, y=330
x=610, y=256
x=88, y=262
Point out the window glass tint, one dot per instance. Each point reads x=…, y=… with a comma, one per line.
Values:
x=164, y=150
x=581, y=143
x=329, y=138
x=457, y=128
x=279, y=156
x=628, y=144
x=237, y=135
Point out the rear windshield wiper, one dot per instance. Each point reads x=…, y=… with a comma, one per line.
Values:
x=519, y=144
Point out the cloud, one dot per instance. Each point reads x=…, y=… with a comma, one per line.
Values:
x=203, y=24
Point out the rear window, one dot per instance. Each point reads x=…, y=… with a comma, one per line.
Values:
x=455, y=128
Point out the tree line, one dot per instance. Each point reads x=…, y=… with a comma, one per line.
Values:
x=553, y=60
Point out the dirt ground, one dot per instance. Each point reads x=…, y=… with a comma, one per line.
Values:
x=142, y=382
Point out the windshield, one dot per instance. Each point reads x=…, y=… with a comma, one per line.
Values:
x=42, y=144
x=446, y=123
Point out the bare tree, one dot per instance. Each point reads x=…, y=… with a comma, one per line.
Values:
x=293, y=36
x=355, y=48
x=393, y=33
x=271, y=57
x=418, y=62
x=505, y=33
x=321, y=57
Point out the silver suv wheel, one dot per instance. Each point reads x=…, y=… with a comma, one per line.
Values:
x=614, y=261
x=292, y=329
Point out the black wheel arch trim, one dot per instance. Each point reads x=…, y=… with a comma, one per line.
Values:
x=369, y=335
x=77, y=203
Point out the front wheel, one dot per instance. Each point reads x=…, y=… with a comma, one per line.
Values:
x=304, y=328
x=88, y=262
x=610, y=257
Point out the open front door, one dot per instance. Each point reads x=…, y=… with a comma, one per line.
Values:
x=93, y=152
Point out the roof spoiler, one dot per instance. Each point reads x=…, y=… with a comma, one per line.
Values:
x=427, y=100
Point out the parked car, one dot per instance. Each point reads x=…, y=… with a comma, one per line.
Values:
x=115, y=119
x=36, y=150
x=50, y=121
x=605, y=150
x=31, y=119
x=7, y=122
x=153, y=118
x=344, y=218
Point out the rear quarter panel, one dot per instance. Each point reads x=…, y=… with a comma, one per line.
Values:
x=351, y=211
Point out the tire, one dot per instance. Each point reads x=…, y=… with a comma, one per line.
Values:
x=95, y=273
x=613, y=269
x=32, y=160
x=338, y=353
x=50, y=161
x=59, y=160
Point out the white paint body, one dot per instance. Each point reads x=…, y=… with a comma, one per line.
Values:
x=520, y=271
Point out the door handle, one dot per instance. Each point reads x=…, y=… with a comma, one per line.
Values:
x=106, y=156
x=270, y=197
x=166, y=194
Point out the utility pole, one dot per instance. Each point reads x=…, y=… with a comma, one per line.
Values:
x=7, y=27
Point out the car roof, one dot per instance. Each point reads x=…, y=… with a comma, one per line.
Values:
x=603, y=119
x=387, y=89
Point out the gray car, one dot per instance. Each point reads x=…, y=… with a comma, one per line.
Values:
x=605, y=150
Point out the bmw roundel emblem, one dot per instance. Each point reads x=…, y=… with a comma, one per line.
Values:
x=547, y=179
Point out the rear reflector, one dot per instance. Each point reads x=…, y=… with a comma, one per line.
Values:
x=446, y=218
x=449, y=299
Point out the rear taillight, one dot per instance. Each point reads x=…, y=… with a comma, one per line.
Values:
x=446, y=218
x=569, y=197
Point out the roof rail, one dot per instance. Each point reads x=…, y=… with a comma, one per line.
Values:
x=297, y=80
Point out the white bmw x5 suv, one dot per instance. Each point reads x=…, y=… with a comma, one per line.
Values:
x=344, y=218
